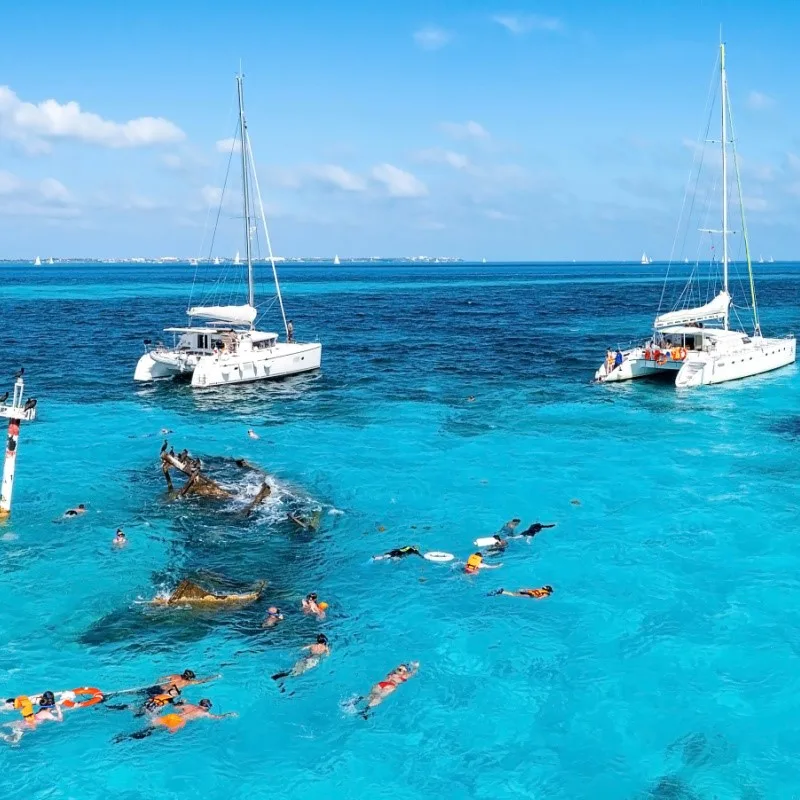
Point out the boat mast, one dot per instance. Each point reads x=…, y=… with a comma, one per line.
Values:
x=724, y=104
x=245, y=191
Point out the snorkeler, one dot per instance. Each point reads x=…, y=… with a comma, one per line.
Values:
x=316, y=652
x=252, y=434
x=48, y=711
x=475, y=563
x=311, y=606
x=180, y=682
x=74, y=512
x=382, y=689
x=399, y=552
x=119, y=540
x=535, y=594
x=532, y=530
x=509, y=527
x=174, y=721
x=273, y=617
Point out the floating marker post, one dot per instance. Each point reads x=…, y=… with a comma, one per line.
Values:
x=16, y=413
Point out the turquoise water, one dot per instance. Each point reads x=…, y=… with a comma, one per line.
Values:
x=664, y=665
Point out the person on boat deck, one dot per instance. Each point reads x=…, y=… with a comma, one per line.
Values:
x=289, y=331
x=618, y=359
x=610, y=357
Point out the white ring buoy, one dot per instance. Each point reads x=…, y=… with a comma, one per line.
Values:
x=439, y=557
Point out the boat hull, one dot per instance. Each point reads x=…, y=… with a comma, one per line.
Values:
x=148, y=369
x=706, y=368
x=280, y=361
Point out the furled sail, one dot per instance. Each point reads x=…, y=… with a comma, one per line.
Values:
x=233, y=315
x=716, y=309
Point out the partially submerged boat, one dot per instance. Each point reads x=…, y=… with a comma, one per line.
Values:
x=696, y=342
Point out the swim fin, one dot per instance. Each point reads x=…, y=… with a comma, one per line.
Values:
x=278, y=675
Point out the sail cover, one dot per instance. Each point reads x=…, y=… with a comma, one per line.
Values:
x=716, y=309
x=233, y=315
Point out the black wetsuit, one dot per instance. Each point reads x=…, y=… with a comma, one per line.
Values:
x=402, y=552
x=537, y=527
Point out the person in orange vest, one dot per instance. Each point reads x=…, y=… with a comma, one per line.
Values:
x=535, y=594
x=475, y=562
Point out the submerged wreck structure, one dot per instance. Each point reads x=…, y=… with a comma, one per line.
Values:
x=189, y=593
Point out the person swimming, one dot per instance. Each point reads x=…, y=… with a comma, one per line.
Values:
x=120, y=539
x=509, y=527
x=532, y=530
x=310, y=605
x=252, y=434
x=77, y=511
x=316, y=652
x=382, y=689
x=399, y=552
x=475, y=563
x=175, y=720
x=49, y=711
x=535, y=594
x=273, y=617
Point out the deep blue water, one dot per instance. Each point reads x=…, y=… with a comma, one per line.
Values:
x=664, y=666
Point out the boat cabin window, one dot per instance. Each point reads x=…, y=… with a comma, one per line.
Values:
x=202, y=341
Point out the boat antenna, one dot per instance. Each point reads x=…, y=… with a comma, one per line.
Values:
x=266, y=236
x=748, y=255
x=724, y=143
x=245, y=189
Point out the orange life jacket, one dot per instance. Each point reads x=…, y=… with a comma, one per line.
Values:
x=473, y=563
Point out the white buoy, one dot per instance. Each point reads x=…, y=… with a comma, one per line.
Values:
x=16, y=413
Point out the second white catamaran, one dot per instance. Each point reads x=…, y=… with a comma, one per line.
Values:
x=229, y=349
x=695, y=342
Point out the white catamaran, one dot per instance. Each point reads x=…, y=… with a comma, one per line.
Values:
x=697, y=344
x=229, y=349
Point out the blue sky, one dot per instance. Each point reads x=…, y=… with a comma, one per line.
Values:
x=524, y=131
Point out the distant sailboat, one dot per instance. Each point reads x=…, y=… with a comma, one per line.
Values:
x=484, y=261
x=236, y=258
x=771, y=260
x=685, y=260
x=216, y=262
x=645, y=259
x=50, y=260
x=761, y=259
x=336, y=260
x=37, y=262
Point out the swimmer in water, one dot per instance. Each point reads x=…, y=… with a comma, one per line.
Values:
x=382, y=689
x=48, y=711
x=316, y=652
x=174, y=721
x=77, y=511
x=535, y=594
x=475, y=563
x=252, y=434
x=399, y=552
x=273, y=617
x=311, y=606
x=120, y=540
x=509, y=528
x=532, y=530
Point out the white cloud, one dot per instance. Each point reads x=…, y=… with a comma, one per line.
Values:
x=226, y=145
x=338, y=177
x=54, y=190
x=793, y=161
x=758, y=101
x=755, y=203
x=9, y=183
x=436, y=155
x=45, y=198
x=398, y=182
x=500, y=216
x=432, y=38
x=529, y=22
x=172, y=161
x=212, y=195
x=465, y=130
x=31, y=125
